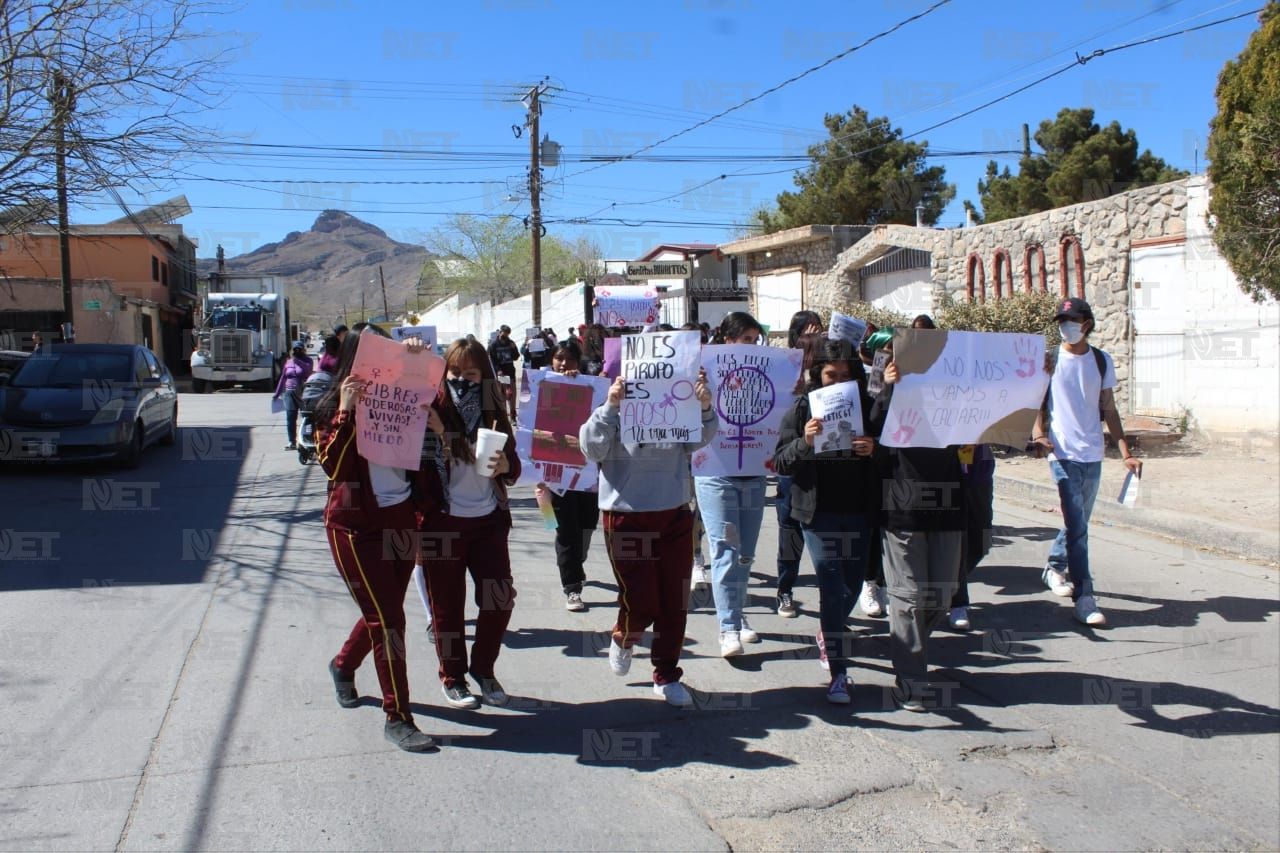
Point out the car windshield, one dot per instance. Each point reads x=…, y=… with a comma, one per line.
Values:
x=72, y=370
x=236, y=317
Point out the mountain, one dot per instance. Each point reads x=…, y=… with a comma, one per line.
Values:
x=326, y=267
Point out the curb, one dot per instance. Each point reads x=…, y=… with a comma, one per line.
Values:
x=1246, y=543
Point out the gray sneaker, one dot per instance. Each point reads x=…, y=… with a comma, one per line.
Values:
x=404, y=734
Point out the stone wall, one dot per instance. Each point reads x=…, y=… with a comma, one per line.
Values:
x=818, y=258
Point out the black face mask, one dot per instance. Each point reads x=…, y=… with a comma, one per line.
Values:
x=461, y=385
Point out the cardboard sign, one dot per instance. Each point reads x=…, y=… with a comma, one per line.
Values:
x=390, y=420
x=965, y=388
x=626, y=306
x=426, y=333
x=839, y=407
x=752, y=388
x=547, y=440
x=660, y=369
x=846, y=328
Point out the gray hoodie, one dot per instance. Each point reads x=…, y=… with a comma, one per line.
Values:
x=640, y=477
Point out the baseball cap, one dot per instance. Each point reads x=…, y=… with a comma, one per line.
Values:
x=1073, y=309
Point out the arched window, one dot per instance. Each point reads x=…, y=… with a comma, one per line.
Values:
x=1002, y=273
x=1034, y=276
x=975, y=280
x=1071, y=266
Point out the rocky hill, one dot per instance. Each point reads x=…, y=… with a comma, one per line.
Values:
x=325, y=267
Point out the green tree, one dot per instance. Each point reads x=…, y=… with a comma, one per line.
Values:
x=1081, y=161
x=865, y=172
x=1244, y=161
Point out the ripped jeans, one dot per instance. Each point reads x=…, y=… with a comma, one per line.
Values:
x=732, y=510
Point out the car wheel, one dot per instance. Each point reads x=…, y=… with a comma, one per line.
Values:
x=171, y=434
x=133, y=455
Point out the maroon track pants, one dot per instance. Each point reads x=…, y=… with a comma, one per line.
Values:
x=452, y=547
x=652, y=558
x=377, y=576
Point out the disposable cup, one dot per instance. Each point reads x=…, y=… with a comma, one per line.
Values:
x=488, y=442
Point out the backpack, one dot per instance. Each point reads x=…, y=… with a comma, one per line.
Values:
x=1099, y=359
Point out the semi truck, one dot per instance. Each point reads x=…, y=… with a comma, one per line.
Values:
x=244, y=336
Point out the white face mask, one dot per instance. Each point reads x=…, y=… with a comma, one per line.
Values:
x=1072, y=332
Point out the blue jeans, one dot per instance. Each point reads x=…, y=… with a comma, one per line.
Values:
x=790, y=539
x=1077, y=488
x=838, y=544
x=732, y=510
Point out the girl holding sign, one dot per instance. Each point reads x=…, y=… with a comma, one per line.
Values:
x=369, y=505
x=732, y=510
x=834, y=497
x=466, y=479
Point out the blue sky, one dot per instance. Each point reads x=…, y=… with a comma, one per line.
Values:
x=403, y=79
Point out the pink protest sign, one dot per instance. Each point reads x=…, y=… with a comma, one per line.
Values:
x=612, y=358
x=390, y=418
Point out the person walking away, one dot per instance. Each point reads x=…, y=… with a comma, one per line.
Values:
x=645, y=491
x=292, y=377
x=504, y=353
x=1081, y=396
x=733, y=511
x=832, y=498
x=577, y=512
x=367, y=504
x=469, y=527
x=537, y=351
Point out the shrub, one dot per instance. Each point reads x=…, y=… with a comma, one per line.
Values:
x=1022, y=312
x=880, y=317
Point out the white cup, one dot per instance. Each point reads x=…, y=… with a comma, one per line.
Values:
x=488, y=442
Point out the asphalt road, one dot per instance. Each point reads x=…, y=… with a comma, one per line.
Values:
x=166, y=632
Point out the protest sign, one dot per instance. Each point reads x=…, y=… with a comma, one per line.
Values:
x=390, y=420
x=965, y=388
x=839, y=407
x=426, y=333
x=634, y=305
x=612, y=358
x=660, y=369
x=875, y=376
x=751, y=387
x=537, y=345
x=547, y=440
x=846, y=328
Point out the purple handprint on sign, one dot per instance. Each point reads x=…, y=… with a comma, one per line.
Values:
x=907, y=423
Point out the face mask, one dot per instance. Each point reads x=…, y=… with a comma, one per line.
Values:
x=1072, y=332
x=461, y=385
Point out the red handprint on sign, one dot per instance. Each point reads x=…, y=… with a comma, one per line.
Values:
x=907, y=423
x=1023, y=351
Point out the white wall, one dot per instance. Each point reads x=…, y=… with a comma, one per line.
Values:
x=905, y=291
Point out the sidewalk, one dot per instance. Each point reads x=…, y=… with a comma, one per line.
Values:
x=1218, y=498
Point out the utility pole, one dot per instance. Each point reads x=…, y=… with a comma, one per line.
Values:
x=535, y=202
x=1026, y=141
x=386, y=311
x=364, y=317
x=62, y=97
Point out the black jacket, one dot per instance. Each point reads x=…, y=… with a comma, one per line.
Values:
x=923, y=486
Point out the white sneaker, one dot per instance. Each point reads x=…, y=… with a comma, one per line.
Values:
x=573, y=602
x=701, y=577
x=1087, y=612
x=869, y=600
x=619, y=658
x=747, y=634
x=730, y=644
x=1058, y=583
x=675, y=694
x=959, y=619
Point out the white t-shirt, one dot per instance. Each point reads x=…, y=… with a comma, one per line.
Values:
x=390, y=485
x=1074, y=392
x=470, y=495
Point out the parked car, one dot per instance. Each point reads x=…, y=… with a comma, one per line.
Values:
x=87, y=402
x=11, y=360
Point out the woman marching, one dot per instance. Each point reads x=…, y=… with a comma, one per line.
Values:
x=368, y=504
x=292, y=377
x=733, y=510
x=834, y=498
x=577, y=512
x=468, y=528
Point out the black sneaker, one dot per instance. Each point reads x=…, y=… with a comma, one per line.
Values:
x=459, y=696
x=787, y=606
x=491, y=690
x=404, y=734
x=345, y=686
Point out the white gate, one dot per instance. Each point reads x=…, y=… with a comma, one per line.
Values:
x=1158, y=303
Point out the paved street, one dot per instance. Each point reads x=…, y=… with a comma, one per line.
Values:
x=166, y=633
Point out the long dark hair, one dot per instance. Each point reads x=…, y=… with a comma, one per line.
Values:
x=829, y=351
x=800, y=321
x=568, y=349
x=327, y=408
x=735, y=324
x=460, y=355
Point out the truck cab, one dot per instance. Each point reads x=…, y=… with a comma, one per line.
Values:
x=242, y=341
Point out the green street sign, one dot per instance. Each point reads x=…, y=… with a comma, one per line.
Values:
x=93, y=305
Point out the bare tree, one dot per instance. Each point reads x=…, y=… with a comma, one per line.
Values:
x=122, y=82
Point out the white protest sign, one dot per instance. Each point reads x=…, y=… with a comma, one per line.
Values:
x=426, y=333
x=752, y=388
x=537, y=345
x=1129, y=490
x=964, y=388
x=630, y=305
x=839, y=407
x=390, y=420
x=875, y=376
x=846, y=328
x=547, y=440
x=660, y=369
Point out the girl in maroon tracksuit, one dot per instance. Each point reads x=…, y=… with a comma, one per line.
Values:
x=369, y=521
x=467, y=529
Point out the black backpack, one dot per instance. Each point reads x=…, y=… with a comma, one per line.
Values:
x=1099, y=359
